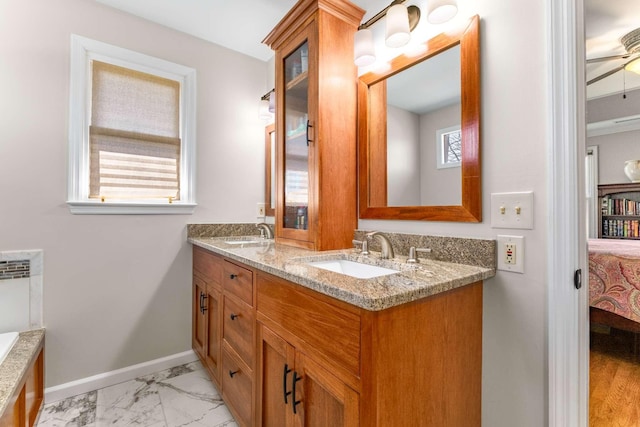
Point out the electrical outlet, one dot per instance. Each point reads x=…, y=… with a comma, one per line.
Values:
x=261, y=209
x=511, y=253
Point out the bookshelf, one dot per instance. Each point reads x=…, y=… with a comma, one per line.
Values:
x=619, y=211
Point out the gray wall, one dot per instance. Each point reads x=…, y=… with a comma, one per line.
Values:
x=403, y=157
x=616, y=147
x=117, y=288
x=439, y=187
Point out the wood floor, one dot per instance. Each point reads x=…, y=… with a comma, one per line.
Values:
x=614, y=380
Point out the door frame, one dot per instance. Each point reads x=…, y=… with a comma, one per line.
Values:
x=567, y=307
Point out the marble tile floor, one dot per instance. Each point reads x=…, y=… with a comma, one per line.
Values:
x=179, y=396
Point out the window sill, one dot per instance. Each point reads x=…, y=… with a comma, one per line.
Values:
x=134, y=208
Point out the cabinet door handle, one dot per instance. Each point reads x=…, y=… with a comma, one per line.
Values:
x=201, y=303
x=309, y=125
x=232, y=373
x=233, y=276
x=234, y=316
x=204, y=305
x=296, y=378
x=284, y=383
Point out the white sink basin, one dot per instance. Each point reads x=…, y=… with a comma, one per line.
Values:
x=352, y=268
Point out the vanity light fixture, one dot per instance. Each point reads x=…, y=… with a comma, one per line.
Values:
x=268, y=105
x=401, y=20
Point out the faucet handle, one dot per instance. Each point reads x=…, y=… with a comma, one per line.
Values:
x=364, y=244
x=412, y=259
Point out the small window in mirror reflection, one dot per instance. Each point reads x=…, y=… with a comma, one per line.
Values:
x=449, y=146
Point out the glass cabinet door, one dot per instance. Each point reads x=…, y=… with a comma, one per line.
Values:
x=296, y=139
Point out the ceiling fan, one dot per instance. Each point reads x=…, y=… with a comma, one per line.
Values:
x=631, y=43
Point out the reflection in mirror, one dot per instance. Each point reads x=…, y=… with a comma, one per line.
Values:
x=423, y=133
x=421, y=160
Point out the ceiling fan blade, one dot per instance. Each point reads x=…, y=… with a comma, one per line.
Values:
x=608, y=58
x=607, y=74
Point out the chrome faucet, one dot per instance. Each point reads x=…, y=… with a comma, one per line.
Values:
x=387, y=248
x=265, y=230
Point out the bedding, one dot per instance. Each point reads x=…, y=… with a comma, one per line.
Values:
x=614, y=276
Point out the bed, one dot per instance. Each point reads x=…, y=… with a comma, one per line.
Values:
x=614, y=284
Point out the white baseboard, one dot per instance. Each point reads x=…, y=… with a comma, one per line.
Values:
x=95, y=382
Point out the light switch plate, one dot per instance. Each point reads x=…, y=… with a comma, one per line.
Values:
x=512, y=210
x=511, y=253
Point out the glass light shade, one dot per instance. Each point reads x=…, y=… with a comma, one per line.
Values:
x=441, y=11
x=272, y=101
x=363, y=48
x=633, y=66
x=264, y=110
x=397, y=30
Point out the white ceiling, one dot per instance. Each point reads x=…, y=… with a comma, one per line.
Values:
x=606, y=21
x=242, y=25
x=237, y=25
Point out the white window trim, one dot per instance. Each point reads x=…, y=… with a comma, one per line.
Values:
x=82, y=51
x=440, y=155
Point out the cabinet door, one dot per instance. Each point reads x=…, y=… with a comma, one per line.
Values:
x=275, y=372
x=213, y=314
x=296, y=138
x=199, y=323
x=320, y=398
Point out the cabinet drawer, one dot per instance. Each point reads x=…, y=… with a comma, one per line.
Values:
x=238, y=281
x=237, y=387
x=238, y=330
x=330, y=330
x=207, y=265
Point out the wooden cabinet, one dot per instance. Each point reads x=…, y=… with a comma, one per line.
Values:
x=295, y=390
x=207, y=310
x=290, y=356
x=316, y=124
x=414, y=364
x=223, y=329
x=619, y=211
x=25, y=404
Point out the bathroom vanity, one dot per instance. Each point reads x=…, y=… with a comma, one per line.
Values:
x=22, y=381
x=290, y=343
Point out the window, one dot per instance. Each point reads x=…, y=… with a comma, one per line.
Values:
x=131, y=132
x=449, y=147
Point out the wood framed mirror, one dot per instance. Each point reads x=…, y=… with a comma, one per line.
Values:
x=378, y=192
x=270, y=170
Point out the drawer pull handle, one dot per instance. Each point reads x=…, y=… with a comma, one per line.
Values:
x=232, y=373
x=234, y=316
x=233, y=276
x=296, y=378
x=284, y=383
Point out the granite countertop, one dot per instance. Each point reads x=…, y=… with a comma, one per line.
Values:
x=412, y=282
x=16, y=364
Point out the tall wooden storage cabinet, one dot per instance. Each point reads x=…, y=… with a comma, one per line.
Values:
x=316, y=103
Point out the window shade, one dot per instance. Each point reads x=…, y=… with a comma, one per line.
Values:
x=134, y=134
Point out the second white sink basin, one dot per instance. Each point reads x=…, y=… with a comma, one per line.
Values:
x=352, y=268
